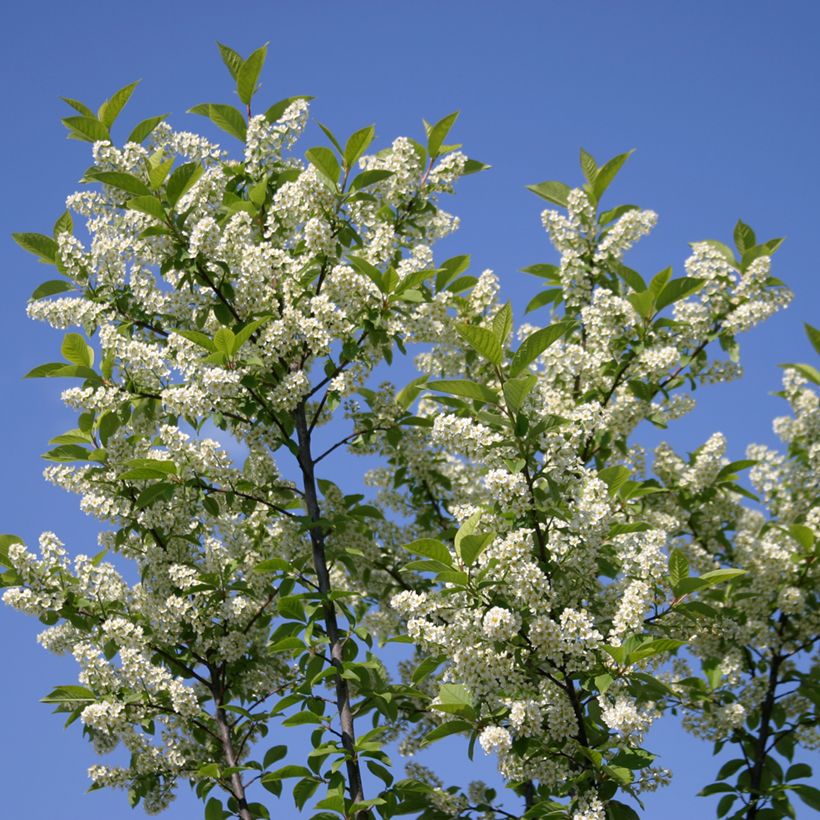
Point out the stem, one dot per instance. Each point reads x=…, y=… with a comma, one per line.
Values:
x=760, y=753
x=317, y=538
x=237, y=787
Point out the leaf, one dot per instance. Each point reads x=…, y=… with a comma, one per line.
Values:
x=39, y=244
x=59, y=370
x=145, y=469
x=198, y=338
x=181, y=181
x=248, y=330
x=471, y=546
x=451, y=727
x=64, y=224
x=248, y=75
x=121, y=180
x=154, y=493
x=274, y=754
x=502, y=323
x=81, y=108
x=466, y=389
x=588, y=166
x=70, y=694
x=535, y=344
x=516, y=390
x=708, y=579
x=76, y=351
x=454, y=698
x=147, y=205
x=450, y=269
x=371, y=177
x=811, y=373
x=325, y=162
x=438, y=133
x=302, y=719
x=50, y=288
x=808, y=794
x=213, y=809
x=357, y=144
x=431, y=548
x=226, y=117
x=67, y=453
x=744, y=237
x=279, y=108
x=231, y=58
x=144, y=128
x=552, y=191
x=369, y=270
x=483, y=341
x=225, y=341
x=545, y=297
x=607, y=172
x=814, y=336
x=110, y=109
x=654, y=647
x=87, y=129
x=676, y=290
x=425, y=669
x=678, y=567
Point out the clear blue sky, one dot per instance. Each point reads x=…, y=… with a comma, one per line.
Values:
x=719, y=98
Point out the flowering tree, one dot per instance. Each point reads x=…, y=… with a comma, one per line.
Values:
x=551, y=600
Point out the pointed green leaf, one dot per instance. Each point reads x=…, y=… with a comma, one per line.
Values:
x=38, y=244
x=607, y=173
x=678, y=567
x=110, y=109
x=552, y=191
x=144, y=128
x=79, y=107
x=181, y=181
x=465, y=389
x=279, y=108
x=325, y=162
x=438, y=133
x=248, y=75
x=357, y=144
x=502, y=323
x=147, y=205
x=588, y=166
x=535, y=344
x=483, y=341
x=121, y=180
x=676, y=290
x=517, y=389
x=50, y=288
x=431, y=548
x=76, y=351
x=231, y=58
x=87, y=129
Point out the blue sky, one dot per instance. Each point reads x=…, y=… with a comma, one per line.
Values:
x=719, y=99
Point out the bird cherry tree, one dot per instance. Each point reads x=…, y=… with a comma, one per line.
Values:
x=226, y=312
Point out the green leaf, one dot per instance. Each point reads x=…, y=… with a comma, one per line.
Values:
x=676, y=290
x=708, y=579
x=454, y=698
x=607, y=172
x=231, y=58
x=70, y=694
x=145, y=469
x=67, y=452
x=465, y=389
x=814, y=336
x=144, y=128
x=471, y=546
x=76, y=351
x=79, y=107
x=248, y=330
x=39, y=244
x=744, y=237
x=588, y=166
x=811, y=373
x=198, y=338
x=121, y=180
x=369, y=270
x=50, y=288
x=225, y=341
x=371, y=177
x=60, y=370
x=516, y=390
x=451, y=727
x=279, y=108
x=620, y=811
x=248, y=75
x=325, y=162
x=483, y=341
x=64, y=224
x=425, y=669
x=552, y=191
x=431, y=548
x=110, y=109
x=678, y=567
x=438, y=133
x=535, y=344
x=357, y=144
x=545, y=297
x=302, y=719
x=502, y=323
x=654, y=647
x=226, y=117
x=213, y=809
x=181, y=181
x=808, y=794
x=292, y=607
x=154, y=493
x=147, y=205
x=274, y=754
x=87, y=129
